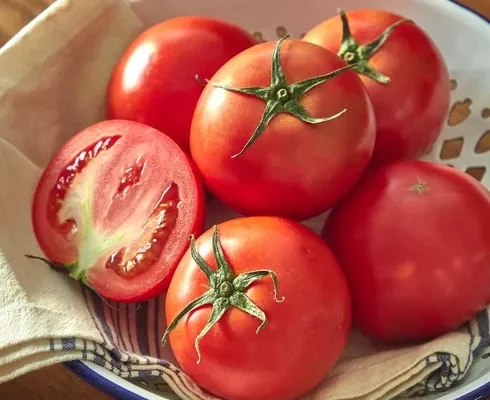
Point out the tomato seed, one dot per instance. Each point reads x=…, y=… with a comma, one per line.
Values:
x=130, y=178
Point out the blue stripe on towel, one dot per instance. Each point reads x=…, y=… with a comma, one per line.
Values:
x=132, y=347
x=117, y=326
x=68, y=344
x=84, y=350
x=483, y=322
x=86, y=294
x=99, y=313
x=157, y=324
x=142, y=328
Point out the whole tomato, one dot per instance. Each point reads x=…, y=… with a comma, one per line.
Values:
x=413, y=238
x=404, y=73
x=245, y=316
x=287, y=139
x=154, y=81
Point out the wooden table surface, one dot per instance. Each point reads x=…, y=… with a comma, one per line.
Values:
x=58, y=383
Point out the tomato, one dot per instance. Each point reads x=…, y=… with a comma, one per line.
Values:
x=116, y=205
x=288, y=140
x=413, y=238
x=272, y=312
x=404, y=73
x=154, y=81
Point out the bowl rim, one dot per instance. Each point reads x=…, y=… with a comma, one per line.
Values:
x=111, y=388
x=102, y=382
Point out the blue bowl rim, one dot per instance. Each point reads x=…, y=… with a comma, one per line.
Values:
x=118, y=392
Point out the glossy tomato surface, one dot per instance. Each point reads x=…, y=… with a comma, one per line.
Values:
x=294, y=169
x=154, y=81
x=413, y=238
x=116, y=205
x=412, y=108
x=309, y=328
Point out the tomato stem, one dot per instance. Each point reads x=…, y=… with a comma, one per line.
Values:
x=354, y=53
x=226, y=291
x=53, y=265
x=281, y=97
x=63, y=268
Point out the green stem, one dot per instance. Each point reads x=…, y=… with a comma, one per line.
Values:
x=282, y=97
x=226, y=291
x=70, y=269
x=354, y=53
x=53, y=265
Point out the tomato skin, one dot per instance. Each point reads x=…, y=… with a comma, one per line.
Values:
x=410, y=110
x=309, y=328
x=154, y=81
x=294, y=169
x=164, y=162
x=417, y=262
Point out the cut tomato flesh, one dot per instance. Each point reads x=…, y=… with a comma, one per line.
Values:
x=68, y=174
x=164, y=218
x=65, y=179
x=118, y=203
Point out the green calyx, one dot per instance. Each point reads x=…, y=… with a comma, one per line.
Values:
x=226, y=290
x=281, y=97
x=354, y=53
x=72, y=269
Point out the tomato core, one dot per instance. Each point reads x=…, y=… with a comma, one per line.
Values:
x=349, y=56
x=282, y=94
x=419, y=187
x=226, y=289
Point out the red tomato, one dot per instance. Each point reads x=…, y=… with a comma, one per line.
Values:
x=287, y=150
x=154, y=82
x=116, y=205
x=413, y=238
x=412, y=107
x=298, y=297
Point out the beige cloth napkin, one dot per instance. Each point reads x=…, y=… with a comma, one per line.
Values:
x=52, y=83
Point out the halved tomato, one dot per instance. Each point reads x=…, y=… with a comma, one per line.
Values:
x=116, y=205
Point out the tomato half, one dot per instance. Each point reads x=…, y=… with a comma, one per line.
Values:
x=404, y=73
x=116, y=205
x=154, y=81
x=413, y=238
x=287, y=140
x=274, y=311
